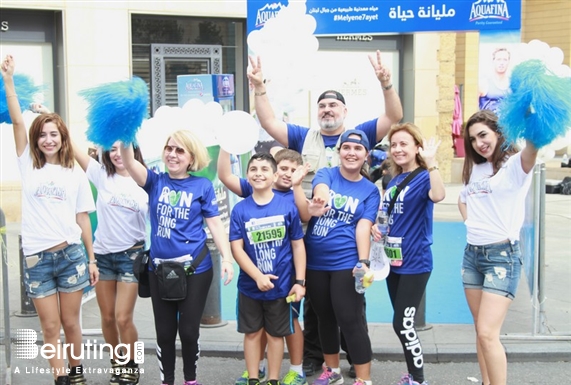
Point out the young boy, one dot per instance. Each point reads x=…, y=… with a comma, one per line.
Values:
x=266, y=237
x=287, y=162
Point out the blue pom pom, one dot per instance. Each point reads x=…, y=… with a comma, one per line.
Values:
x=116, y=111
x=25, y=90
x=538, y=107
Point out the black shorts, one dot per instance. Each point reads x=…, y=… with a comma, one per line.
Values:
x=276, y=316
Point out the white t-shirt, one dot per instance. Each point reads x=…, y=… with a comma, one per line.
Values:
x=122, y=208
x=495, y=204
x=51, y=197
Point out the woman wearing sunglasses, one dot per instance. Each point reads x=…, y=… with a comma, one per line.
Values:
x=179, y=202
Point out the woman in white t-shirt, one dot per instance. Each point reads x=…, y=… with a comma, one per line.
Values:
x=56, y=200
x=122, y=208
x=496, y=180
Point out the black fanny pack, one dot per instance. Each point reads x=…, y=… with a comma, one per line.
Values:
x=141, y=272
x=172, y=275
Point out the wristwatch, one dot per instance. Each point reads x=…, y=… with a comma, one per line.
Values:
x=300, y=282
x=365, y=262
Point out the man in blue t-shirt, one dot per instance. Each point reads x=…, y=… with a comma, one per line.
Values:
x=318, y=149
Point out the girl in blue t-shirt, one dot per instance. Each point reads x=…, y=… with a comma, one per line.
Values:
x=340, y=215
x=410, y=235
x=179, y=203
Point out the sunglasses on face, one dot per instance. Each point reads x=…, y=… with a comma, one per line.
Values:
x=177, y=150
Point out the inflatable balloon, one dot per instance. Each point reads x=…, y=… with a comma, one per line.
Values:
x=237, y=132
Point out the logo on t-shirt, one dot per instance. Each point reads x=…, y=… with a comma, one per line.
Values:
x=50, y=191
x=343, y=209
x=172, y=206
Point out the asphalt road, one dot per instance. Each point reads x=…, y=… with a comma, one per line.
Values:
x=223, y=371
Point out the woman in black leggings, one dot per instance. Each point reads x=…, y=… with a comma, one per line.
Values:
x=179, y=203
x=410, y=235
x=340, y=216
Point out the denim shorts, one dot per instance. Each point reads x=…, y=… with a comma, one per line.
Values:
x=117, y=266
x=492, y=268
x=47, y=273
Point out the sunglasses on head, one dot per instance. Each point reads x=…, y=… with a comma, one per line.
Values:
x=177, y=150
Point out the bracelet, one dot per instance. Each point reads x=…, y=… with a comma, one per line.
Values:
x=226, y=261
x=387, y=87
x=94, y=262
x=433, y=168
x=11, y=96
x=260, y=93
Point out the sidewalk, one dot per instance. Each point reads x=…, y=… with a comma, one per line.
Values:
x=441, y=343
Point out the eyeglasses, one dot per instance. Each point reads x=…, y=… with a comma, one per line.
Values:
x=177, y=150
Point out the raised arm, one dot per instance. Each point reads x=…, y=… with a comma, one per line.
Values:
x=81, y=157
x=20, y=137
x=428, y=152
x=137, y=171
x=528, y=157
x=224, y=168
x=275, y=127
x=393, y=107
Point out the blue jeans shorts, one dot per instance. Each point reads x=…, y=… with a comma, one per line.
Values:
x=492, y=268
x=47, y=273
x=117, y=266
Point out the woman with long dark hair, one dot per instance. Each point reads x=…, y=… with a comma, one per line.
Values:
x=496, y=179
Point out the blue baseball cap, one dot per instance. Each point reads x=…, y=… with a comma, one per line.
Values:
x=364, y=141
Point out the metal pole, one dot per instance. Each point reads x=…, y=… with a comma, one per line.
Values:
x=420, y=317
x=7, y=338
x=27, y=308
x=541, y=251
x=212, y=315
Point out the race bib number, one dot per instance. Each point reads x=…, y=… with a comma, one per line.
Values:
x=261, y=230
x=393, y=249
x=267, y=235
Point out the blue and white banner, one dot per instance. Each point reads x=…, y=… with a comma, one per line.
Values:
x=394, y=16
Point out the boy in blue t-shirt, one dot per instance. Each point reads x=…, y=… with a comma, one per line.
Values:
x=288, y=161
x=266, y=237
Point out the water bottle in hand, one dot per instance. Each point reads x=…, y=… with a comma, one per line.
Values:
x=359, y=274
x=383, y=225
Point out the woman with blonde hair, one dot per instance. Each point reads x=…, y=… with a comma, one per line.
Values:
x=179, y=203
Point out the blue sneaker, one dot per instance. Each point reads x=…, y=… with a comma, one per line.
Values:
x=243, y=380
x=328, y=377
x=294, y=378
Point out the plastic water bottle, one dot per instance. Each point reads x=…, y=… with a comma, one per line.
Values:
x=383, y=225
x=359, y=274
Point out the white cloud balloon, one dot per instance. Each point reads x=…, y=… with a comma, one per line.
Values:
x=237, y=132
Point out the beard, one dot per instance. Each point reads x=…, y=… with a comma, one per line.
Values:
x=329, y=125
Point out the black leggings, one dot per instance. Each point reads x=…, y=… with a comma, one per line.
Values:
x=182, y=316
x=405, y=292
x=338, y=306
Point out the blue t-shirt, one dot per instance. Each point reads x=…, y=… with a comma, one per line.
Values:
x=247, y=190
x=296, y=135
x=277, y=222
x=330, y=239
x=177, y=208
x=411, y=222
